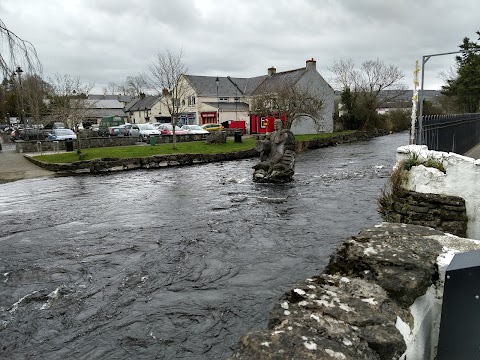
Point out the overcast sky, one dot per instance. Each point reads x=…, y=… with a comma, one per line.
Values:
x=104, y=41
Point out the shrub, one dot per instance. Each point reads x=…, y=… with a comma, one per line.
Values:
x=430, y=162
x=393, y=187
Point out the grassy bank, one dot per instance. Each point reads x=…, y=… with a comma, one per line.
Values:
x=194, y=147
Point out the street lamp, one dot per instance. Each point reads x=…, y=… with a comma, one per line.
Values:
x=22, y=119
x=217, y=82
x=421, y=95
x=236, y=104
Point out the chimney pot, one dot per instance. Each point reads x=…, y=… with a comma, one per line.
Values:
x=271, y=71
x=311, y=64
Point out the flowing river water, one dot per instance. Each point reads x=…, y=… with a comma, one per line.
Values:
x=174, y=263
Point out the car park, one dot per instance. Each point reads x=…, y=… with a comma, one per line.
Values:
x=144, y=131
x=213, y=127
x=167, y=129
x=62, y=134
x=194, y=129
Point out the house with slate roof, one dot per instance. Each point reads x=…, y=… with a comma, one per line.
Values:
x=146, y=109
x=308, y=79
x=209, y=103
x=229, y=99
x=124, y=99
x=98, y=108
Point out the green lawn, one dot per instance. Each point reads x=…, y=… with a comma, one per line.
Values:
x=322, y=136
x=193, y=147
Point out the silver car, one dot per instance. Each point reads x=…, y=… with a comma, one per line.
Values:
x=144, y=131
x=194, y=129
x=62, y=134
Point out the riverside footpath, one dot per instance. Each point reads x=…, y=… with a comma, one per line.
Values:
x=474, y=153
x=14, y=166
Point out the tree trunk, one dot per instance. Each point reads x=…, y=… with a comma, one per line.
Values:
x=174, y=139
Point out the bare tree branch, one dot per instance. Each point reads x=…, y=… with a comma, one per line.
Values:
x=166, y=79
x=134, y=86
x=69, y=102
x=374, y=84
x=293, y=101
x=15, y=51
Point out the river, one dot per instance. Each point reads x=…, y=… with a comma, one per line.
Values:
x=174, y=263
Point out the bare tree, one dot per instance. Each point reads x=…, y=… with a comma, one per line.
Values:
x=165, y=77
x=371, y=86
x=68, y=101
x=134, y=86
x=111, y=89
x=294, y=101
x=35, y=90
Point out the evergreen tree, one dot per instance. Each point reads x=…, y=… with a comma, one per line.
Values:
x=465, y=87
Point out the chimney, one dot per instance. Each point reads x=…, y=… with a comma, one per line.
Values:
x=311, y=64
x=271, y=71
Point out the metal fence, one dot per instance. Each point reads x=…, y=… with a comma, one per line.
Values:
x=450, y=133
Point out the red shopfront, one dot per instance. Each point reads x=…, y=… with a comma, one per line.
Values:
x=208, y=117
x=261, y=124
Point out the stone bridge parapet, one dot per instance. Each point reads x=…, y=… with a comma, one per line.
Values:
x=378, y=298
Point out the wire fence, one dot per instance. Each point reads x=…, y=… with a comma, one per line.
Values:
x=456, y=133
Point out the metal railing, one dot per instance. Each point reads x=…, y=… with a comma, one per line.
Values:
x=456, y=133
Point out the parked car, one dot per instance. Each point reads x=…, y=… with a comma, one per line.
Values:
x=127, y=126
x=167, y=129
x=117, y=131
x=144, y=131
x=31, y=134
x=194, y=129
x=213, y=127
x=55, y=125
x=62, y=134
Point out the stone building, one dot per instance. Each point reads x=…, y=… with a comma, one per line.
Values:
x=224, y=99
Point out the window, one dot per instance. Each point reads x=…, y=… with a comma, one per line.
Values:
x=223, y=99
x=191, y=100
x=236, y=99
